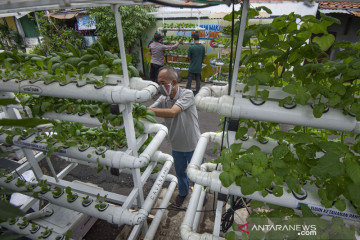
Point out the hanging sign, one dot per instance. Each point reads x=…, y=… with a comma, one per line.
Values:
x=211, y=31
x=85, y=22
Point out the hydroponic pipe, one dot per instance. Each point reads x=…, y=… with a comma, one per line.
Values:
x=212, y=180
x=186, y=228
x=115, y=159
x=113, y=214
x=111, y=94
x=238, y=107
x=26, y=232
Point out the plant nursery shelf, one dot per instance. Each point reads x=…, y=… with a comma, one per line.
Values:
x=181, y=29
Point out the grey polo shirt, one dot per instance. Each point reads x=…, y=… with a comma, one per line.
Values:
x=184, y=131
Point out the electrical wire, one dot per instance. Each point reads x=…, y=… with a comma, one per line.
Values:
x=227, y=218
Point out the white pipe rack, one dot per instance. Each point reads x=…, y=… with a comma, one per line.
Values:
x=112, y=94
x=113, y=214
x=115, y=159
x=212, y=99
x=27, y=233
x=211, y=179
x=124, y=94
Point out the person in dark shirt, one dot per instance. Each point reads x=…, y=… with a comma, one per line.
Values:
x=196, y=53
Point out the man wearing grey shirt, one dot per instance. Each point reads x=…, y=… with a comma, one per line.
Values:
x=177, y=106
x=157, y=51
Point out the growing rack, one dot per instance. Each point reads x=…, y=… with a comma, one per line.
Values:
x=116, y=210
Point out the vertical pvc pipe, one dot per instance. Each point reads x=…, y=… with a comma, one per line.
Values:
x=191, y=209
x=218, y=215
x=244, y=10
x=198, y=210
x=119, y=29
x=160, y=212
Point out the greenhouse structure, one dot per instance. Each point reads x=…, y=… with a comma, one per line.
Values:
x=89, y=141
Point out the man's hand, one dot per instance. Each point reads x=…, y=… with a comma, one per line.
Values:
x=166, y=112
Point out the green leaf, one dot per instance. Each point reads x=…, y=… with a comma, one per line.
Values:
x=241, y=132
x=7, y=101
x=264, y=94
x=226, y=179
x=29, y=122
x=278, y=191
x=318, y=110
x=328, y=166
x=236, y=148
x=231, y=236
x=248, y=185
x=335, y=148
x=280, y=151
x=325, y=41
x=340, y=204
x=306, y=212
x=9, y=211
x=291, y=181
x=303, y=138
x=302, y=98
x=352, y=168
x=256, y=204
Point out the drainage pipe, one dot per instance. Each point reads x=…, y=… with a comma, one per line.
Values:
x=111, y=94
x=212, y=180
x=238, y=107
x=186, y=228
x=115, y=159
x=26, y=232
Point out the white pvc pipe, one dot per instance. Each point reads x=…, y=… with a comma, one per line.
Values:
x=238, y=107
x=26, y=231
x=198, y=210
x=45, y=212
x=212, y=180
x=186, y=228
x=115, y=159
x=112, y=94
x=243, y=20
x=150, y=234
x=113, y=214
x=270, y=111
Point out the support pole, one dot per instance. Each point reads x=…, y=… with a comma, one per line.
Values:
x=244, y=10
x=119, y=29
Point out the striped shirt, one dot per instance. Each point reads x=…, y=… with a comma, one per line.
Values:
x=158, y=50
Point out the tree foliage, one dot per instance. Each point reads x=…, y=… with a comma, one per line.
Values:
x=135, y=20
x=55, y=33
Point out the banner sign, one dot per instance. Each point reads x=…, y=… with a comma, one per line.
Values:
x=211, y=31
x=84, y=23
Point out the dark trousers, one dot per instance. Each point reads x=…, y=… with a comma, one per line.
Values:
x=154, y=72
x=190, y=78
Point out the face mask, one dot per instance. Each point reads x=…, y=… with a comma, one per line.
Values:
x=166, y=89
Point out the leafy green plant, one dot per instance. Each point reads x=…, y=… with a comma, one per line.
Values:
x=101, y=205
x=135, y=20
x=69, y=195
